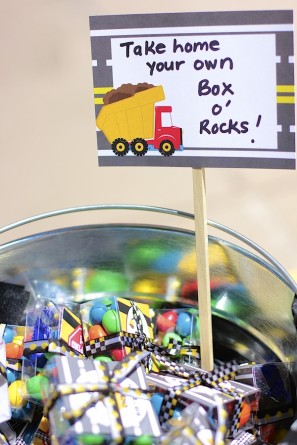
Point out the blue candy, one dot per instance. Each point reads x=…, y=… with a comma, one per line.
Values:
x=96, y=313
x=157, y=400
x=8, y=335
x=186, y=324
x=177, y=412
x=11, y=375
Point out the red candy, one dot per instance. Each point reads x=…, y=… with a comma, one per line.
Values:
x=166, y=321
x=96, y=331
x=118, y=354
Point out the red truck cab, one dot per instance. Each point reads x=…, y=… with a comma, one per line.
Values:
x=167, y=137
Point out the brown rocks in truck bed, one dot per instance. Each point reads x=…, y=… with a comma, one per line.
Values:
x=124, y=91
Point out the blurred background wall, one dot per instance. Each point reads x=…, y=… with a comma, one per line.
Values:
x=48, y=149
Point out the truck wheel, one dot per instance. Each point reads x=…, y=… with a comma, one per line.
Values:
x=120, y=147
x=166, y=148
x=139, y=147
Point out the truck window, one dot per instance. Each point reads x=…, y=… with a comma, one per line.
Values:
x=166, y=119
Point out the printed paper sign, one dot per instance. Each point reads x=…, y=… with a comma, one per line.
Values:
x=195, y=89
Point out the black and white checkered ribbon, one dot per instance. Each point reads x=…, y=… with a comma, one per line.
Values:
x=101, y=390
x=244, y=438
x=137, y=318
x=43, y=436
x=212, y=379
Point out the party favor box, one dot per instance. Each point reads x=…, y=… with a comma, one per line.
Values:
x=114, y=326
x=227, y=394
x=5, y=409
x=273, y=382
x=105, y=399
x=53, y=328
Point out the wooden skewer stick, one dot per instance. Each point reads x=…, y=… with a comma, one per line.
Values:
x=203, y=278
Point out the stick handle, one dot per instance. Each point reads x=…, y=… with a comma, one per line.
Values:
x=203, y=278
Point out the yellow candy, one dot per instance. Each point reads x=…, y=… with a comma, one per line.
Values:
x=20, y=330
x=17, y=393
x=151, y=284
x=44, y=424
x=18, y=340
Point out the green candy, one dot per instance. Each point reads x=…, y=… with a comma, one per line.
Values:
x=143, y=440
x=168, y=336
x=106, y=281
x=103, y=358
x=91, y=439
x=145, y=254
x=36, y=384
x=111, y=321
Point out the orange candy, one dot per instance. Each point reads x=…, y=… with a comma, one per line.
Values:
x=14, y=350
x=245, y=414
x=96, y=331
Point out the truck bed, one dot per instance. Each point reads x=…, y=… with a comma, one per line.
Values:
x=132, y=117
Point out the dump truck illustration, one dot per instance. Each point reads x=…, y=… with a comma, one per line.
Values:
x=135, y=123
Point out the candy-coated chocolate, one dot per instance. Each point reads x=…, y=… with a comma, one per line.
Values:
x=103, y=358
x=44, y=424
x=186, y=324
x=145, y=439
x=118, y=354
x=168, y=336
x=167, y=262
x=152, y=284
x=29, y=336
x=96, y=331
x=111, y=322
x=37, y=384
x=19, y=330
x=149, y=284
x=245, y=414
x=8, y=335
x=18, y=339
x=157, y=400
x=145, y=254
x=91, y=439
x=106, y=281
x=167, y=320
x=96, y=313
x=14, y=350
x=17, y=393
x=11, y=375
